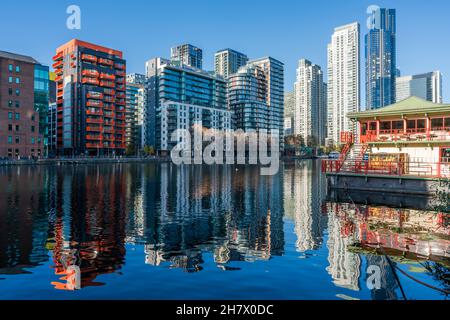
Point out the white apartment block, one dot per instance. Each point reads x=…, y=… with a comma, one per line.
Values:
x=310, y=116
x=343, y=80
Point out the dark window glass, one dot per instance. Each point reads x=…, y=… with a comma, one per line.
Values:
x=437, y=124
x=398, y=125
x=421, y=124
x=385, y=125
x=447, y=123
x=411, y=124
x=17, y=92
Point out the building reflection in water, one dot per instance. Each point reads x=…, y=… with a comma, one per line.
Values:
x=234, y=213
x=406, y=235
x=80, y=219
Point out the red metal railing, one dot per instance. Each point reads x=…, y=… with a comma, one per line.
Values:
x=443, y=135
x=417, y=169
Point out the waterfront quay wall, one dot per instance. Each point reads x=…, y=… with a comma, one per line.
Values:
x=76, y=161
x=388, y=184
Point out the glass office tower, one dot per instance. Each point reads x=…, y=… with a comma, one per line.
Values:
x=381, y=69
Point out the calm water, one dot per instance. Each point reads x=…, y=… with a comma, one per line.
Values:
x=156, y=231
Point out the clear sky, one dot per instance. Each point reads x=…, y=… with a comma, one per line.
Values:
x=285, y=29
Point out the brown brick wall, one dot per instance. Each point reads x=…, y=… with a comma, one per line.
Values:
x=24, y=148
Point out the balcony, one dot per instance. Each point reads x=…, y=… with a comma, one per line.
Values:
x=120, y=66
x=90, y=81
x=89, y=58
x=93, y=137
x=94, y=120
x=121, y=95
x=121, y=102
x=58, y=64
x=120, y=73
x=98, y=112
x=94, y=103
x=90, y=73
x=106, y=62
x=107, y=76
x=121, y=88
x=94, y=129
x=110, y=92
x=58, y=57
x=108, y=84
x=94, y=95
x=94, y=145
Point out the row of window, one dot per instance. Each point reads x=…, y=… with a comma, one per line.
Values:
x=11, y=103
x=11, y=80
x=17, y=140
x=10, y=91
x=17, y=127
x=11, y=68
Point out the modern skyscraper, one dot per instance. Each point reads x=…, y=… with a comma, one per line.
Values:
x=91, y=93
x=137, y=113
x=179, y=106
x=136, y=101
x=274, y=74
x=20, y=134
x=228, y=62
x=289, y=110
x=427, y=86
x=381, y=67
x=247, y=98
x=310, y=116
x=343, y=80
x=188, y=55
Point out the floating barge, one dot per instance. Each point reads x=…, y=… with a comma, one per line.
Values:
x=403, y=148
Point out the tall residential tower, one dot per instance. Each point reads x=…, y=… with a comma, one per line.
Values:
x=310, y=114
x=228, y=62
x=343, y=80
x=91, y=99
x=188, y=55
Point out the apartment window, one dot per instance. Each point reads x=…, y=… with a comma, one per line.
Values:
x=10, y=68
x=17, y=128
x=17, y=92
x=17, y=80
x=10, y=103
x=10, y=141
x=10, y=79
x=32, y=118
x=32, y=140
x=17, y=69
x=17, y=104
x=10, y=91
x=17, y=140
x=17, y=116
x=9, y=127
x=10, y=153
x=10, y=115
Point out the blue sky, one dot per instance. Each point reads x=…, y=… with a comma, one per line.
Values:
x=285, y=29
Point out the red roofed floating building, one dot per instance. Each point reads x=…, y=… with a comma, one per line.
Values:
x=408, y=141
x=91, y=99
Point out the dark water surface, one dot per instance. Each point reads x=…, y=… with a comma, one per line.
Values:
x=157, y=231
